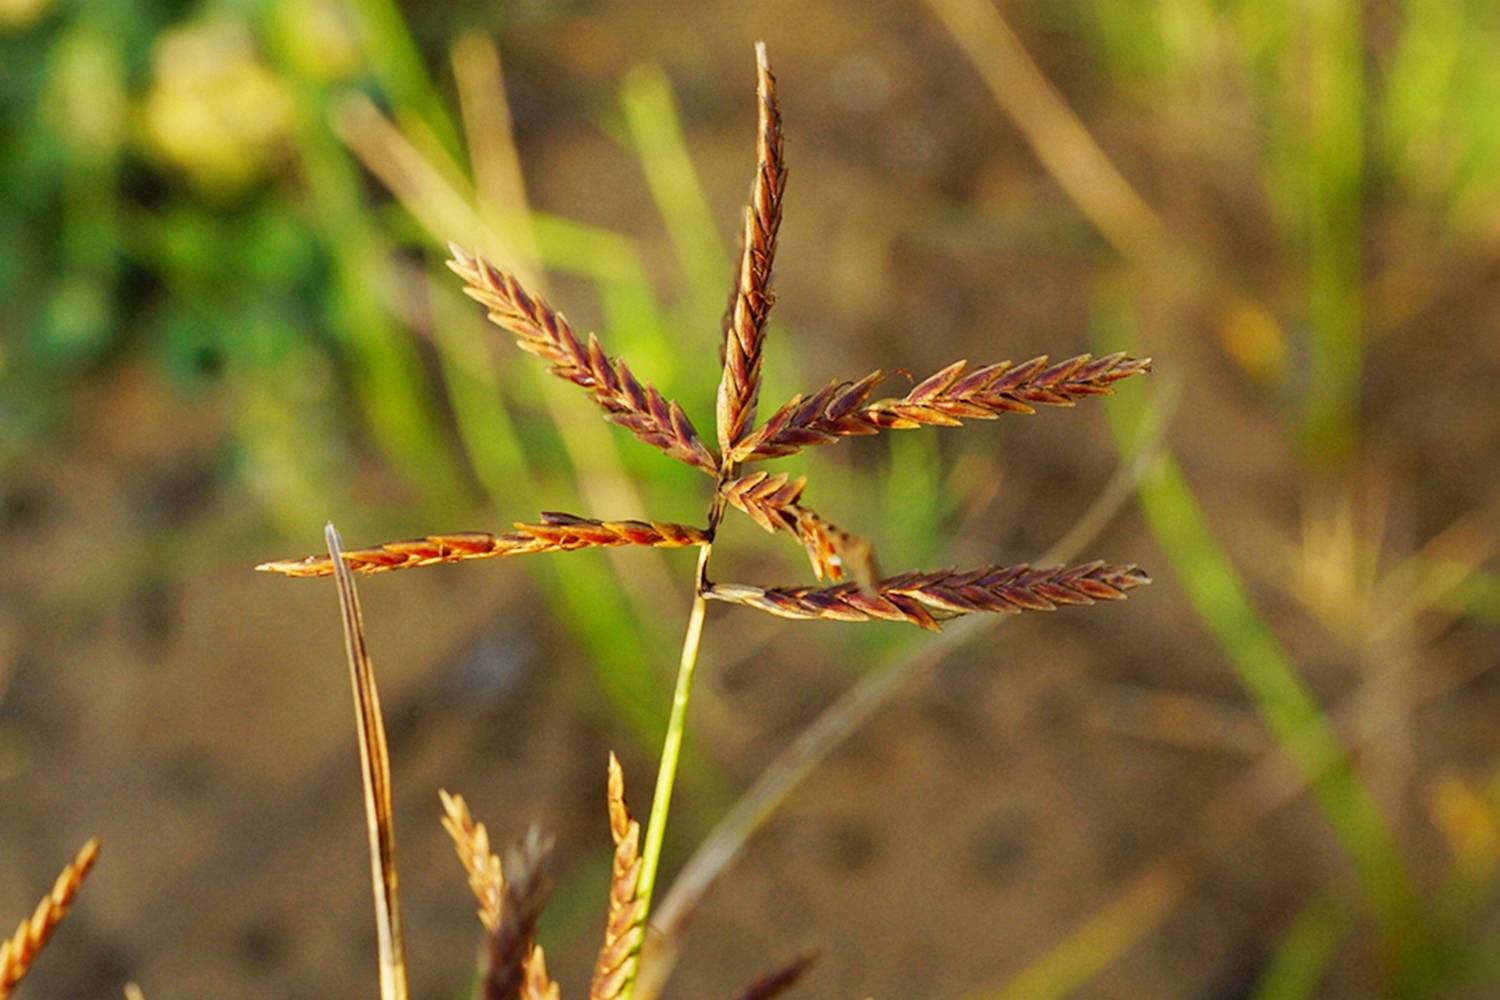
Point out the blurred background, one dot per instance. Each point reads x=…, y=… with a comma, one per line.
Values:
x=226, y=320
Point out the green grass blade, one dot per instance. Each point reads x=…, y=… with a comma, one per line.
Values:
x=1217, y=592
x=1303, y=955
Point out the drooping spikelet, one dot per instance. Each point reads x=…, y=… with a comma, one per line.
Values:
x=546, y=333
x=945, y=399
x=750, y=305
x=773, y=503
x=625, y=926
x=20, y=951
x=557, y=532
x=925, y=599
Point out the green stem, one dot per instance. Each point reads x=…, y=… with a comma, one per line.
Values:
x=671, y=755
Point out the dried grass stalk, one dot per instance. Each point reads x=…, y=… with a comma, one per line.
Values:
x=750, y=305
x=537, y=984
x=926, y=599
x=544, y=332
x=556, y=533
x=375, y=767
x=20, y=951
x=527, y=887
x=945, y=399
x=471, y=841
x=770, y=984
x=625, y=926
x=772, y=502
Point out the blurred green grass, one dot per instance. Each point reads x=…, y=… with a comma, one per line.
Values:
x=254, y=257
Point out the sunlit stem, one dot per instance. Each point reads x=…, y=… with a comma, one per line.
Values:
x=671, y=754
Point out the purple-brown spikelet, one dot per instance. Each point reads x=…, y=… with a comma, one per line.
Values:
x=771, y=501
x=542, y=331
x=556, y=533
x=925, y=599
x=750, y=305
x=624, y=927
x=945, y=399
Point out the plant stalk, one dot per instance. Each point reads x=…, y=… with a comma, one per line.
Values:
x=671, y=754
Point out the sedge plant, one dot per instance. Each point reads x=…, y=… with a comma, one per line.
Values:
x=848, y=585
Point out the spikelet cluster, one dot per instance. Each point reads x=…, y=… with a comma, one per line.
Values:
x=957, y=393
x=20, y=950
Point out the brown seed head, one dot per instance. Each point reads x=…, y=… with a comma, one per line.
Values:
x=20, y=951
x=750, y=306
x=925, y=599
x=542, y=331
x=557, y=532
x=945, y=399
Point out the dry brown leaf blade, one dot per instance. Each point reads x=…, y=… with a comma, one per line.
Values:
x=375, y=768
x=556, y=532
x=750, y=304
x=19, y=952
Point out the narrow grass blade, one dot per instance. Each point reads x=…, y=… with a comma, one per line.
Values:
x=1302, y=956
x=375, y=767
x=1218, y=594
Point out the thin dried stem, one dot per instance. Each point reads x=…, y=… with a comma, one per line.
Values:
x=750, y=305
x=1059, y=139
x=557, y=533
x=625, y=925
x=542, y=331
x=772, y=502
x=537, y=985
x=20, y=951
x=375, y=767
x=926, y=599
x=945, y=399
x=778, y=981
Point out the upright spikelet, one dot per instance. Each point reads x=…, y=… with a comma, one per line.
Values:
x=750, y=305
x=527, y=887
x=556, y=533
x=547, y=334
x=20, y=951
x=375, y=770
x=471, y=841
x=945, y=399
x=511, y=895
x=509, y=907
x=625, y=926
